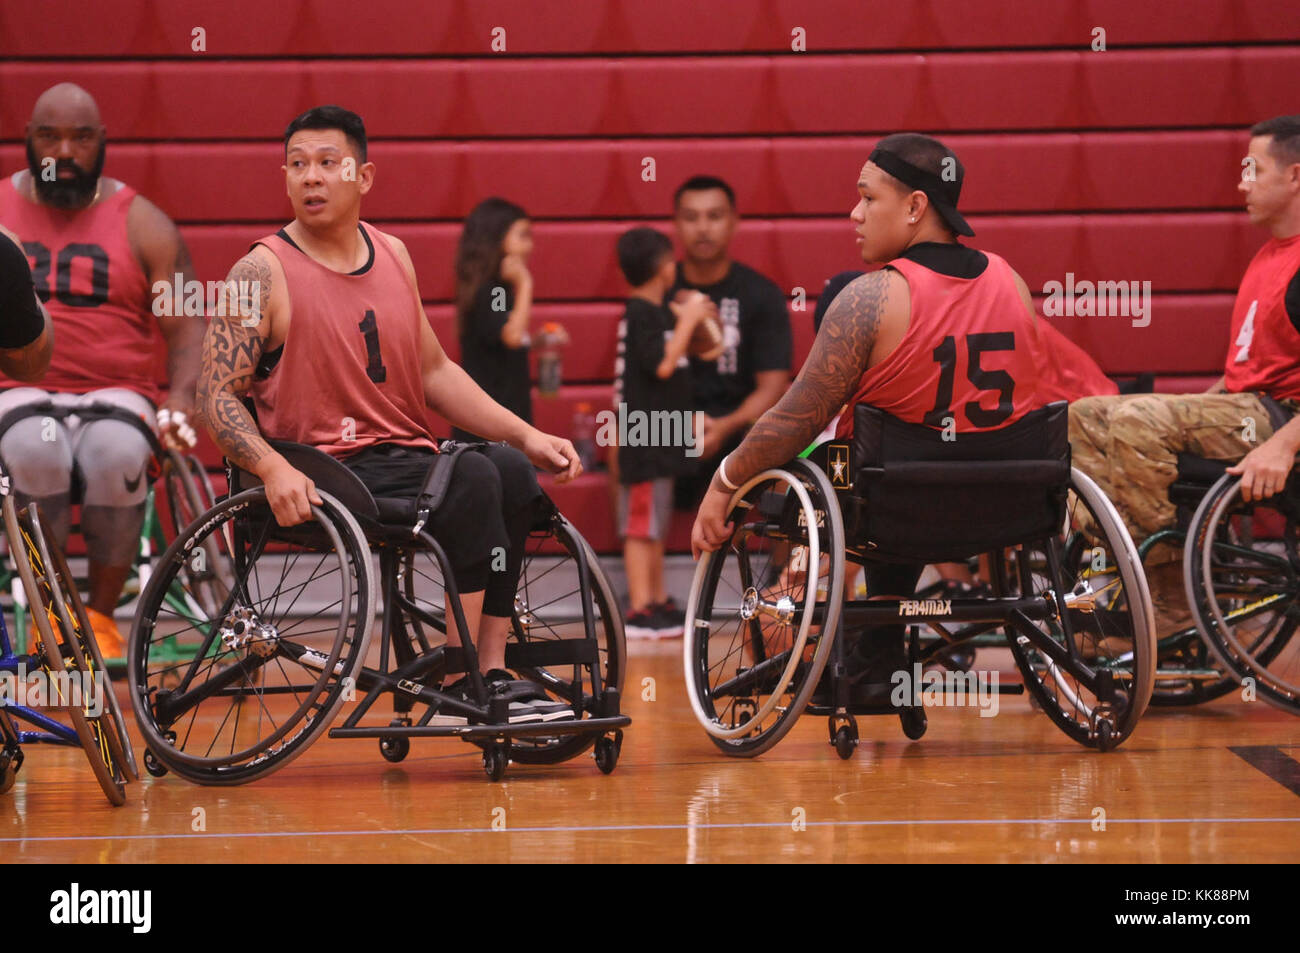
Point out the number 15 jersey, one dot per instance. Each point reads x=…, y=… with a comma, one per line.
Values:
x=348, y=376
x=971, y=356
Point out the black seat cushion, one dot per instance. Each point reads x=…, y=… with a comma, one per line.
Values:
x=921, y=498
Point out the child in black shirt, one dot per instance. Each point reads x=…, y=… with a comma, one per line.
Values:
x=657, y=431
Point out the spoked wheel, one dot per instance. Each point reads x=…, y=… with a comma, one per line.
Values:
x=549, y=608
x=1101, y=620
x=1186, y=671
x=228, y=696
x=1242, y=564
x=209, y=573
x=11, y=754
x=67, y=650
x=764, y=609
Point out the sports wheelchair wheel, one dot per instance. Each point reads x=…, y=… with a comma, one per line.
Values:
x=1242, y=565
x=189, y=495
x=227, y=696
x=67, y=647
x=549, y=608
x=764, y=609
x=1100, y=592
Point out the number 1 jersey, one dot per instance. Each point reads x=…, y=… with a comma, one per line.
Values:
x=971, y=356
x=348, y=376
x=105, y=333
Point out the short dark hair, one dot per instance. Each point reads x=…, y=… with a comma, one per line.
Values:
x=641, y=253
x=702, y=183
x=331, y=117
x=1285, y=132
x=921, y=151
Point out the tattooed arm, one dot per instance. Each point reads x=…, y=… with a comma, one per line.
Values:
x=255, y=314
x=842, y=351
x=162, y=254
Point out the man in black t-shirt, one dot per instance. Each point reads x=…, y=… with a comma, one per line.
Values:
x=26, y=335
x=753, y=370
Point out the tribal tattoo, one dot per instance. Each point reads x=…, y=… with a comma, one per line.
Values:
x=231, y=350
x=829, y=377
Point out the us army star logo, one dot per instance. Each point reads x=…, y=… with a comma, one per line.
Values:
x=837, y=465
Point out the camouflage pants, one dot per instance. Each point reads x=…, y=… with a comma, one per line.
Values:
x=1130, y=445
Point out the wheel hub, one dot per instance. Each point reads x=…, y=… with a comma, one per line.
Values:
x=781, y=611
x=242, y=629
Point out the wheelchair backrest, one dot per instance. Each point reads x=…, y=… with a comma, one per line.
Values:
x=924, y=498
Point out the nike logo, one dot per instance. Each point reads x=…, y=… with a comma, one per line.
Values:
x=133, y=485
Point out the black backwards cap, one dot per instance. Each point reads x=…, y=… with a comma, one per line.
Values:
x=942, y=194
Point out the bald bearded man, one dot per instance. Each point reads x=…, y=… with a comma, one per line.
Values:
x=96, y=249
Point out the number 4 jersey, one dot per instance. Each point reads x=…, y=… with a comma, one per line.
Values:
x=348, y=374
x=971, y=356
x=105, y=333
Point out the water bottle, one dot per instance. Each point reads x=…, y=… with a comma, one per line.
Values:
x=549, y=364
x=584, y=436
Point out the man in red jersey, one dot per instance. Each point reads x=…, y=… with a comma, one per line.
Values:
x=944, y=336
x=1130, y=445
x=97, y=248
x=353, y=378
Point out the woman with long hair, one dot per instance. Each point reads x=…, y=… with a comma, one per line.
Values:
x=494, y=300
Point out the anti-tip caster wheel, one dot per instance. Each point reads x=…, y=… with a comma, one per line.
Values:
x=846, y=742
x=394, y=749
x=151, y=764
x=606, y=753
x=1105, y=735
x=914, y=722
x=495, y=760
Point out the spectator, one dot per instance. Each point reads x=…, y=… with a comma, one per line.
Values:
x=754, y=369
x=494, y=301
x=654, y=380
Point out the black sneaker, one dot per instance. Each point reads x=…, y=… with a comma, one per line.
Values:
x=640, y=625
x=527, y=702
x=460, y=691
x=871, y=666
x=673, y=612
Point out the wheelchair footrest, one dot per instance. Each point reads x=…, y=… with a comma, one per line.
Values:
x=529, y=729
x=547, y=652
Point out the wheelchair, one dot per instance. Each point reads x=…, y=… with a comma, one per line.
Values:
x=64, y=649
x=186, y=492
x=765, y=610
x=264, y=673
x=1241, y=569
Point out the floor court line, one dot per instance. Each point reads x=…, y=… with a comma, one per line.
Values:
x=613, y=828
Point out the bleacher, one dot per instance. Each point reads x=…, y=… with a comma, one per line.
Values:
x=1114, y=165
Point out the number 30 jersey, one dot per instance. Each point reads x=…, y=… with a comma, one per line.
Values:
x=971, y=356
x=348, y=376
x=105, y=333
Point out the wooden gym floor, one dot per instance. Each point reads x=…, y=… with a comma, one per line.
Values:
x=1210, y=784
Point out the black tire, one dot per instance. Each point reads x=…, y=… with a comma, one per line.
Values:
x=259, y=649
x=151, y=764
x=66, y=646
x=548, y=607
x=606, y=754
x=395, y=748
x=845, y=743
x=914, y=722
x=1115, y=635
x=751, y=658
x=495, y=760
x=1246, y=588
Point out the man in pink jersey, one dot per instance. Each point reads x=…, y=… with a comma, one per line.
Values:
x=944, y=336
x=338, y=354
x=96, y=249
x=1130, y=445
